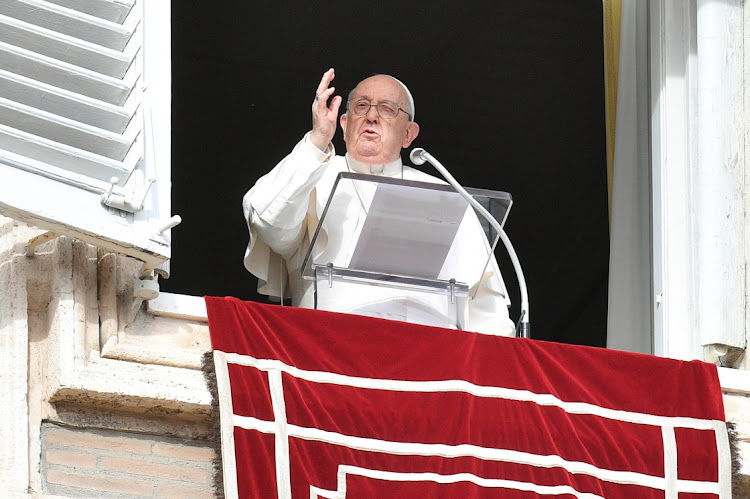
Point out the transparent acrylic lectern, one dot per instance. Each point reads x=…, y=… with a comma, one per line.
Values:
x=403, y=250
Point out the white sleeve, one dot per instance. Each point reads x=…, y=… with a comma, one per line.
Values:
x=276, y=206
x=275, y=210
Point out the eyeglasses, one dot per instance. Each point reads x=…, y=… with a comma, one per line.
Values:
x=386, y=109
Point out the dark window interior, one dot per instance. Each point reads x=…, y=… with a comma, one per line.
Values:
x=509, y=96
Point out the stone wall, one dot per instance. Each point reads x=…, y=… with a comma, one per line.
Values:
x=111, y=464
x=100, y=397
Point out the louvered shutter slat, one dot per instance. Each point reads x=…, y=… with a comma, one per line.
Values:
x=64, y=103
x=70, y=22
x=64, y=75
x=70, y=132
x=62, y=156
x=111, y=10
x=65, y=48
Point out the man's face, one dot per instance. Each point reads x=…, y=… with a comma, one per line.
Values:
x=371, y=138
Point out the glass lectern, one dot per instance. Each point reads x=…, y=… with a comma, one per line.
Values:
x=403, y=250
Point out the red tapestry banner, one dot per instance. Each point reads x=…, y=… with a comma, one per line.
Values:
x=317, y=404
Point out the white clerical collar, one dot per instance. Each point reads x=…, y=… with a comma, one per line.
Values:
x=392, y=169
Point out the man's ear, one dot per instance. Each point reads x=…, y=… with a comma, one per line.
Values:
x=411, y=133
x=342, y=120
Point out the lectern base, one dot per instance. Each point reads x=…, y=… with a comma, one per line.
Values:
x=430, y=307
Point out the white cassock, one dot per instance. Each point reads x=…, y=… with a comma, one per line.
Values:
x=283, y=209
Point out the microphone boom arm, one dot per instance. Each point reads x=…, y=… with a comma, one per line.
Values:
x=419, y=156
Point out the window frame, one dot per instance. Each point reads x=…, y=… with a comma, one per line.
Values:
x=679, y=304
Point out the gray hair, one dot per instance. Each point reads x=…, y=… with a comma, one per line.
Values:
x=409, y=98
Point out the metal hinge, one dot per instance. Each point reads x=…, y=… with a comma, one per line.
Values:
x=125, y=202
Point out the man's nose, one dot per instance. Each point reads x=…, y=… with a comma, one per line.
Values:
x=372, y=114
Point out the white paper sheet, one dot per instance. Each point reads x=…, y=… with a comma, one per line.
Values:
x=408, y=231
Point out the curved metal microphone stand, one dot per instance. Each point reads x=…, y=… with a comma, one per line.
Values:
x=418, y=156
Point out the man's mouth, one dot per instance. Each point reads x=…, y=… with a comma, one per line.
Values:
x=369, y=132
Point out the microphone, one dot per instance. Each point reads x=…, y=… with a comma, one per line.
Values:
x=419, y=156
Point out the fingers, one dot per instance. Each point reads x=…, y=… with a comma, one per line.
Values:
x=324, y=116
x=326, y=80
x=321, y=99
x=324, y=92
x=335, y=104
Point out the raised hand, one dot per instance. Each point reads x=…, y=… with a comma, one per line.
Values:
x=324, y=116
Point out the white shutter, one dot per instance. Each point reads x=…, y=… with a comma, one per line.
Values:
x=85, y=91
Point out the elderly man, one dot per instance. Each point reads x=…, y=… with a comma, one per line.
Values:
x=283, y=208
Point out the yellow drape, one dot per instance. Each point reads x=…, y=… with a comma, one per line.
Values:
x=612, y=11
